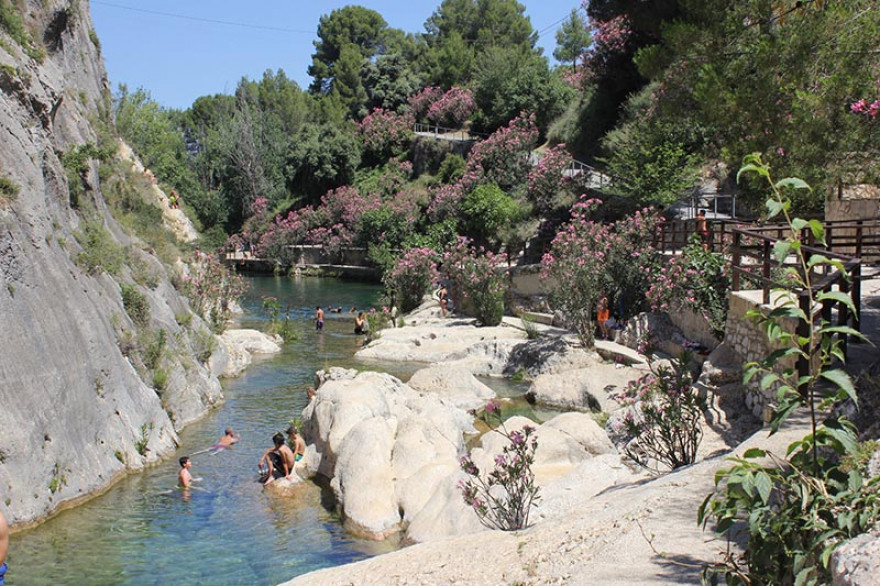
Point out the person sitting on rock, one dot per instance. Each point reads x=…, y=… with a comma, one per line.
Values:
x=279, y=460
x=297, y=444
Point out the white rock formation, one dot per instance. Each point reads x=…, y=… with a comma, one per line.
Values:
x=585, y=389
x=455, y=384
x=241, y=345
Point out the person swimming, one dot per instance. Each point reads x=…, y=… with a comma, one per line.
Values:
x=226, y=441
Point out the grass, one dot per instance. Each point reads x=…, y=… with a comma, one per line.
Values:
x=136, y=305
x=12, y=22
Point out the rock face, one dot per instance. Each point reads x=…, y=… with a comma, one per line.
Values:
x=453, y=383
x=79, y=407
x=857, y=561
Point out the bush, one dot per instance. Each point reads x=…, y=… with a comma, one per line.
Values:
x=479, y=279
x=664, y=415
x=504, y=499
x=136, y=305
x=100, y=251
x=412, y=276
x=9, y=190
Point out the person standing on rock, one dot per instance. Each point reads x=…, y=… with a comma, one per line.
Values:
x=4, y=547
x=319, y=318
x=279, y=460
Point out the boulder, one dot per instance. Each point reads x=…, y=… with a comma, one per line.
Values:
x=454, y=384
x=857, y=561
x=444, y=513
x=548, y=355
x=364, y=482
x=241, y=345
x=585, y=389
x=334, y=373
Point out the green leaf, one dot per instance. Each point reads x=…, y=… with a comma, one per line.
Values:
x=818, y=231
x=768, y=379
x=781, y=249
x=798, y=223
x=764, y=485
x=754, y=453
x=773, y=208
x=838, y=296
x=794, y=183
x=842, y=380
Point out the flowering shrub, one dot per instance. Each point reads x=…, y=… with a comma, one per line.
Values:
x=421, y=102
x=478, y=280
x=453, y=108
x=385, y=134
x=412, y=276
x=547, y=178
x=503, y=158
x=698, y=279
x=588, y=257
x=212, y=288
x=864, y=108
x=663, y=419
x=504, y=499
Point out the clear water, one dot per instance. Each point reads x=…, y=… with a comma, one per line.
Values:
x=233, y=532
x=143, y=532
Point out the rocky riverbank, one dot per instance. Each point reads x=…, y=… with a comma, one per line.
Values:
x=391, y=450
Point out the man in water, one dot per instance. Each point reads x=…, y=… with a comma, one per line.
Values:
x=297, y=443
x=229, y=438
x=4, y=547
x=279, y=460
x=319, y=318
x=184, y=478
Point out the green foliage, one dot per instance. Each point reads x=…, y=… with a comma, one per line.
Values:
x=354, y=27
x=204, y=343
x=76, y=167
x=141, y=445
x=321, y=158
x=376, y=322
x=155, y=350
x=11, y=21
x=160, y=379
x=504, y=498
x=800, y=508
x=136, y=305
x=663, y=421
x=572, y=39
x=451, y=169
x=486, y=209
x=100, y=251
x=93, y=37
x=9, y=190
x=278, y=326
x=479, y=281
x=530, y=327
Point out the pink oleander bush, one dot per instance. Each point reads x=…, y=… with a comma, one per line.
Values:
x=479, y=280
x=865, y=108
x=412, y=276
x=588, y=258
x=504, y=498
x=385, y=133
x=503, y=158
x=663, y=417
x=420, y=102
x=547, y=179
x=697, y=279
x=453, y=108
x=212, y=288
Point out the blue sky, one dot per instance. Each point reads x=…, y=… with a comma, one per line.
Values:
x=180, y=50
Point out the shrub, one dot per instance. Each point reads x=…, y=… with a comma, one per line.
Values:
x=136, y=305
x=663, y=419
x=9, y=190
x=453, y=108
x=212, y=288
x=504, y=498
x=155, y=350
x=412, y=276
x=698, y=279
x=278, y=326
x=798, y=508
x=100, y=251
x=376, y=322
x=478, y=279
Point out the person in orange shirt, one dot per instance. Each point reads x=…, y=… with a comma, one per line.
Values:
x=603, y=314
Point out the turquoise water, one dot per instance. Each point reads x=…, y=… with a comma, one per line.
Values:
x=143, y=532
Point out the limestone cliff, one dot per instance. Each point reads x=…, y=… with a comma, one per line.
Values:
x=80, y=401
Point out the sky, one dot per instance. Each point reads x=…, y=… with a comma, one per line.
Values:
x=179, y=50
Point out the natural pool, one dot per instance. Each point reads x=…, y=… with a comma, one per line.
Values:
x=143, y=532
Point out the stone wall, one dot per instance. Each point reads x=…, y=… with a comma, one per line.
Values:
x=748, y=341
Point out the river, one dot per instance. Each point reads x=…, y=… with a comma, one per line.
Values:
x=233, y=532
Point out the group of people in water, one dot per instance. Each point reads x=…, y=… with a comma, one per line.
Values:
x=278, y=461
x=361, y=324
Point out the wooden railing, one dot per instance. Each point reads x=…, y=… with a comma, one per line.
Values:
x=754, y=266
x=673, y=235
